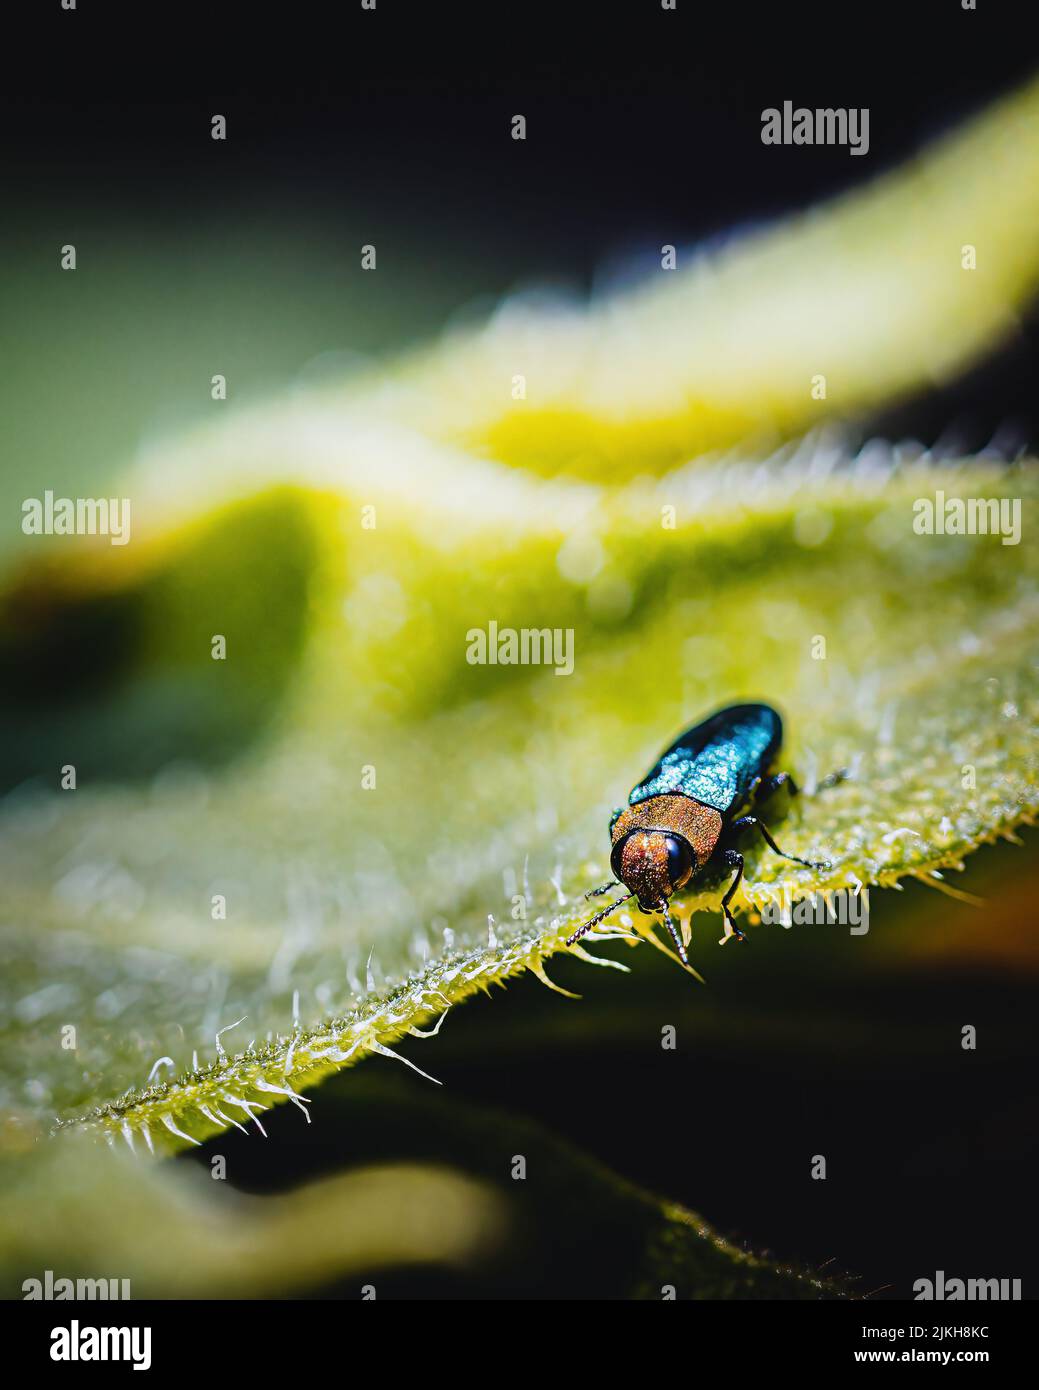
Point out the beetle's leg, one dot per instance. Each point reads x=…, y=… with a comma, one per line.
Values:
x=735, y=861
x=598, y=892
x=768, y=786
x=746, y=822
x=675, y=937
x=594, y=921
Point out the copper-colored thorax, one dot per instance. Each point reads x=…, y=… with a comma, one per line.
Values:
x=645, y=827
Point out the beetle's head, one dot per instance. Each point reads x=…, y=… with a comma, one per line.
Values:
x=653, y=864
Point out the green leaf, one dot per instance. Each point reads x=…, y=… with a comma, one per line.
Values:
x=357, y=912
x=869, y=290
x=378, y=909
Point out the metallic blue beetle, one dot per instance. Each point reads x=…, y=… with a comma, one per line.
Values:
x=686, y=815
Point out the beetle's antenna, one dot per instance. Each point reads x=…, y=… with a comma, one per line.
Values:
x=679, y=947
x=594, y=921
x=597, y=892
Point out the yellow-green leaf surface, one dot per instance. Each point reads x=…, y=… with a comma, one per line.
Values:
x=388, y=828
x=355, y=913
x=869, y=291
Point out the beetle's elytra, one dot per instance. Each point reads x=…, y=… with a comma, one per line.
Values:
x=685, y=816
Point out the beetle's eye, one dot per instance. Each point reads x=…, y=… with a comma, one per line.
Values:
x=679, y=861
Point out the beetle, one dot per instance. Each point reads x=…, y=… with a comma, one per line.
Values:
x=686, y=815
